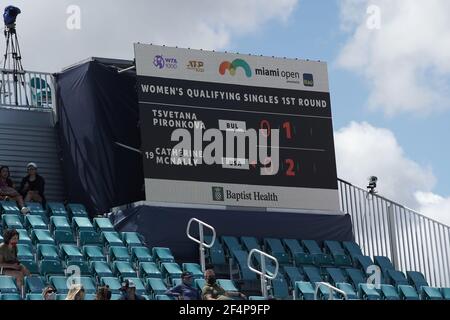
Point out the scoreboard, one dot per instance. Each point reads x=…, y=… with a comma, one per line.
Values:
x=235, y=130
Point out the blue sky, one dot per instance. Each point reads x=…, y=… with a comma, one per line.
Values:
x=390, y=85
x=314, y=32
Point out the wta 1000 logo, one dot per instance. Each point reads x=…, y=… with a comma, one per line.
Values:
x=232, y=67
x=162, y=62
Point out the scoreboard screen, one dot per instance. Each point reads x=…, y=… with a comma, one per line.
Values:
x=234, y=130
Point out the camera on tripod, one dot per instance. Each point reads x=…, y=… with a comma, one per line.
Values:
x=10, y=16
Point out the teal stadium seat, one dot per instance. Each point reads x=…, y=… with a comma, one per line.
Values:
x=64, y=237
x=313, y=274
x=60, y=283
x=429, y=293
x=230, y=244
x=445, y=293
x=335, y=249
x=407, y=293
x=123, y=269
x=199, y=284
x=59, y=223
x=319, y=258
x=42, y=237
x=7, y=285
x=297, y=253
x=114, y=284
x=82, y=224
x=11, y=297
x=50, y=268
x=227, y=284
x=170, y=271
x=141, y=254
x=356, y=277
x=348, y=289
x=256, y=298
x=397, y=278
x=76, y=210
x=24, y=238
x=384, y=263
x=9, y=207
x=47, y=252
x=35, y=222
x=32, y=266
x=276, y=249
x=101, y=269
x=368, y=292
x=83, y=267
x=352, y=248
x=88, y=238
x=363, y=262
x=132, y=239
x=155, y=287
x=70, y=252
x=163, y=297
x=56, y=209
x=324, y=294
x=193, y=268
x=335, y=275
x=111, y=239
x=304, y=290
x=93, y=253
x=240, y=258
x=293, y=275
x=215, y=254
x=34, y=284
x=388, y=292
x=34, y=297
x=103, y=224
x=161, y=255
x=25, y=252
x=12, y=221
x=416, y=279
x=36, y=209
x=250, y=243
x=149, y=270
x=140, y=287
x=280, y=288
x=119, y=254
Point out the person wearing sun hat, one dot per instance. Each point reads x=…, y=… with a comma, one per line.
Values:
x=33, y=185
x=185, y=290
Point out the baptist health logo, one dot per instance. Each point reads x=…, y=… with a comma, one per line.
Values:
x=218, y=194
x=233, y=66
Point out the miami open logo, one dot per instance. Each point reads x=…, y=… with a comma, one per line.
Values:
x=233, y=66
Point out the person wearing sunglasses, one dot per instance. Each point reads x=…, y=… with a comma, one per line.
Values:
x=49, y=293
x=33, y=185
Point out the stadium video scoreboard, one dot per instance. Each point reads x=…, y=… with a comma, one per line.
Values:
x=235, y=130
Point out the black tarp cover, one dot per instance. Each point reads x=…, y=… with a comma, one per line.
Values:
x=163, y=226
x=97, y=107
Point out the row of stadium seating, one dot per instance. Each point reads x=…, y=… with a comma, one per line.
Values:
x=55, y=241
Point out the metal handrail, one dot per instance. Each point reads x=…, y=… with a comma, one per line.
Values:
x=201, y=240
x=263, y=273
x=331, y=288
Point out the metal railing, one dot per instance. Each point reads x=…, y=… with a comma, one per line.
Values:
x=27, y=90
x=264, y=276
x=201, y=241
x=412, y=241
x=331, y=289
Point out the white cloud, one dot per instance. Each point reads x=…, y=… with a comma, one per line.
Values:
x=434, y=206
x=407, y=61
x=110, y=27
x=363, y=150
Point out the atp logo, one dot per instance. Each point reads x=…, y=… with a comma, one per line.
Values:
x=233, y=66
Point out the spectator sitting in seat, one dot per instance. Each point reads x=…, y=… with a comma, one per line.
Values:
x=7, y=191
x=213, y=291
x=103, y=293
x=76, y=292
x=185, y=290
x=49, y=293
x=128, y=291
x=32, y=186
x=9, y=264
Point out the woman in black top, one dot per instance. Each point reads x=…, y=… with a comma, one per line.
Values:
x=32, y=186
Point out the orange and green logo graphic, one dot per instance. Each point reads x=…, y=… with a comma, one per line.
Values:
x=233, y=66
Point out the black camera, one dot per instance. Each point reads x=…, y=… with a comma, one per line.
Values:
x=10, y=15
